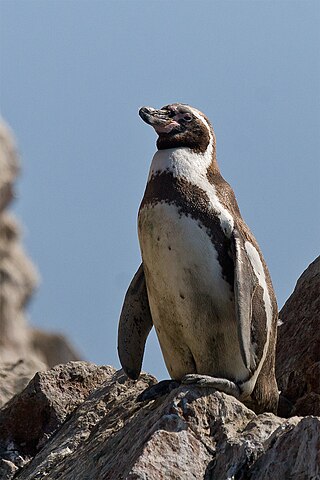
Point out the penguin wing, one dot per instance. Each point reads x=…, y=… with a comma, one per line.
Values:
x=245, y=289
x=134, y=325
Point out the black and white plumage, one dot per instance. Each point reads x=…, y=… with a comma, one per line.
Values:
x=203, y=283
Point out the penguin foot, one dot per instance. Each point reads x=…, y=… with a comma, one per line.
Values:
x=220, y=384
x=158, y=390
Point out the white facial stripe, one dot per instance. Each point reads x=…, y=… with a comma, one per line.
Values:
x=258, y=269
x=204, y=121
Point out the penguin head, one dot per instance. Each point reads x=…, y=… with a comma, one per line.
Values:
x=179, y=125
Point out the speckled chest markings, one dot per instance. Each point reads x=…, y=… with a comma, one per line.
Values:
x=184, y=234
x=181, y=176
x=191, y=201
x=192, y=305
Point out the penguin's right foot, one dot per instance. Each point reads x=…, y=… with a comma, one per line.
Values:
x=220, y=384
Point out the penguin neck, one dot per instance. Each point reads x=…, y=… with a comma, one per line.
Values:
x=197, y=169
x=183, y=162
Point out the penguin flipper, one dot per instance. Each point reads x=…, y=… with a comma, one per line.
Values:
x=134, y=325
x=245, y=285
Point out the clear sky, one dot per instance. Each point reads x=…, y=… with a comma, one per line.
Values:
x=73, y=75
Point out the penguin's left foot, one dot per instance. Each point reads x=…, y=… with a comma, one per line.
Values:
x=221, y=384
x=158, y=390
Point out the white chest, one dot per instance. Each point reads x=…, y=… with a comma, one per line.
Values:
x=192, y=306
x=180, y=254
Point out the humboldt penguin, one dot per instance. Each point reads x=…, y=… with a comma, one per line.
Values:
x=203, y=282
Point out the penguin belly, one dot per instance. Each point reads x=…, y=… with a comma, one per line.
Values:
x=191, y=304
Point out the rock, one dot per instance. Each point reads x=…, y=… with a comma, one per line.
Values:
x=18, y=280
x=101, y=431
x=29, y=419
x=14, y=377
x=9, y=165
x=293, y=453
x=53, y=348
x=298, y=347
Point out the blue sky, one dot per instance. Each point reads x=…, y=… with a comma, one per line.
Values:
x=73, y=75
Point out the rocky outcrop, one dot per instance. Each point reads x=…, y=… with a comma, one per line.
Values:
x=79, y=421
x=18, y=277
x=52, y=348
x=9, y=166
x=23, y=349
x=298, y=347
x=14, y=377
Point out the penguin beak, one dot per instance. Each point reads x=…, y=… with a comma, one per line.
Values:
x=159, y=120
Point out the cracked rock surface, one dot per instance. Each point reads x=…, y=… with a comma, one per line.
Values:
x=298, y=346
x=90, y=426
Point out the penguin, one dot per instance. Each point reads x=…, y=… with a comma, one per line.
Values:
x=203, y=282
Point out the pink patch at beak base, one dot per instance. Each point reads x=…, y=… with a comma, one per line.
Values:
x=166, y=128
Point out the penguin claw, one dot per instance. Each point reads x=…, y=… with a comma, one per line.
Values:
x=158, y=390
x=221, y=384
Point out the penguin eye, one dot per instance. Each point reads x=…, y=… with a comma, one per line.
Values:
x=187, y=117
x=172, y=113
